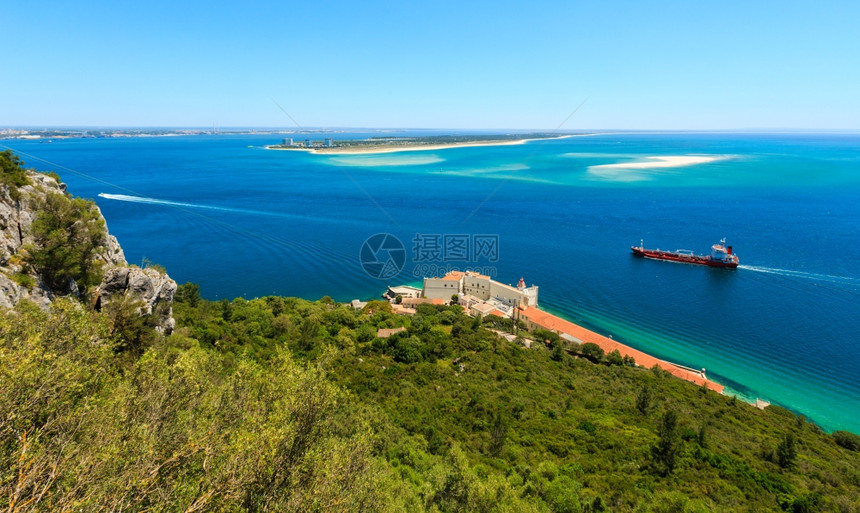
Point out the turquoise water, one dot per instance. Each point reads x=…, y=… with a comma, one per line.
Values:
x=244, y=221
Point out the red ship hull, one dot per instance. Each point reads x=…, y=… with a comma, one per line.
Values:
x=686, y=258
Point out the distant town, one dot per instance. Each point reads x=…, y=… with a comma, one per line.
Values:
x=376, y=144
x=105, y=133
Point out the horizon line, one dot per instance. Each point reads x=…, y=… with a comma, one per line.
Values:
x=217, y=128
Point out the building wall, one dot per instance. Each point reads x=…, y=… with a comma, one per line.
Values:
x=530, y=324
x=437, y=288
x=505, y=293
x=531, y=296
x=512, y=295
x=478, y=286
x=403, y=291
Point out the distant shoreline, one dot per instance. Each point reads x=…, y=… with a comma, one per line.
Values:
x=382, y=148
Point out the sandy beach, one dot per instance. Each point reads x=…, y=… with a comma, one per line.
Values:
x=420, y=147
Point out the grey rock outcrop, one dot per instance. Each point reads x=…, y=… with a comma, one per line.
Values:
x=17, y=215
x=152, y=288
x=10, y=292
x=18, y=282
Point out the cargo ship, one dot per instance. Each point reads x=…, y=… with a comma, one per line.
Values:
x=721, y=255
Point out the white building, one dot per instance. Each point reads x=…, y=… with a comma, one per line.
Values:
x=445, y=287
x=514, y=296
x=404, y=291
x=481, y=287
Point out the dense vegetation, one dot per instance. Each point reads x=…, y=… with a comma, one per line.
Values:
x=68, y=233
x=284, y=404
x=83, y=428
x=12, y=173
x=539, y=429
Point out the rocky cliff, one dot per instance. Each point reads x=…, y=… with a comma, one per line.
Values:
x=19, y=280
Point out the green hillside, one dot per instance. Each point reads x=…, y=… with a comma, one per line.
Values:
x=471, y=422
x=280, y=404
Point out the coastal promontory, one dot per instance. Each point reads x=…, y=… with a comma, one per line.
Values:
x=55, y=245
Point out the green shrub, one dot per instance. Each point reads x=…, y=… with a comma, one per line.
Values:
x=12, y=172
x=188, y=293
x=546, y=336
x=689, y=434
x=615, y=358
x=407, y=349
x=847, y=440
x=67, y=233
x=562, y=495
x=24, y=280
x=588, y=427
x=592, y=351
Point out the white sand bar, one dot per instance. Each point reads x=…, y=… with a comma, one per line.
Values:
x=647, y=168
x=660, y=162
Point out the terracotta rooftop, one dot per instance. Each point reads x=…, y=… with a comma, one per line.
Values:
x=412, y=301
x=557, y=324
x=453, y=276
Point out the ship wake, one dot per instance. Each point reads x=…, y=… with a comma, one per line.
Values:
x=155, y=201
x=801, y=274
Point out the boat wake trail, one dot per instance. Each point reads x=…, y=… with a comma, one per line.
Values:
x=154, y=201
x=265, y=238
x=800, y=274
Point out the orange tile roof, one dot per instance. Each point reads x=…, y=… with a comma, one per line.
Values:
x=412, y=301
x=551, y=322
x=453, y=276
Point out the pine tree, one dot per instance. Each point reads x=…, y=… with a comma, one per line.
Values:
x=665, y=452
x=786, y=452
x=643, y=400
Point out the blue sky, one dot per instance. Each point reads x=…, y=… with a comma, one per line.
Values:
x=641, y=65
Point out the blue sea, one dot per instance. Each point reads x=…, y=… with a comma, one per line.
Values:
x=241, y=220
